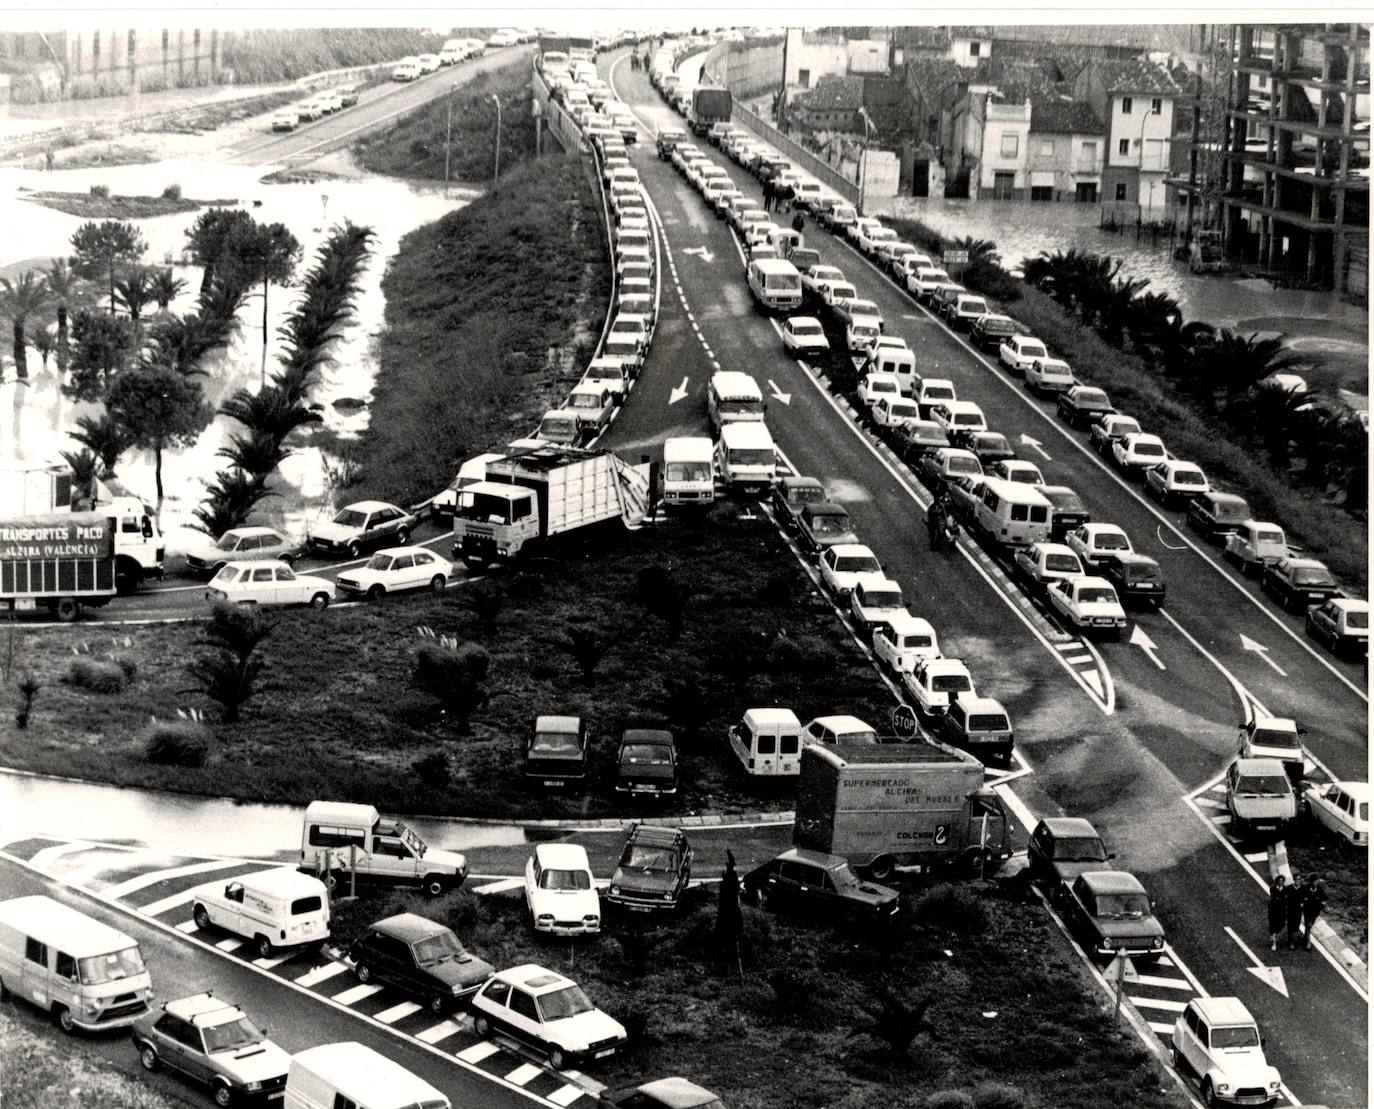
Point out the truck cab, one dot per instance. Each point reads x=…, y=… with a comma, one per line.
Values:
x=339, y=839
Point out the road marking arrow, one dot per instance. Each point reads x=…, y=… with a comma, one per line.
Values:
x=678, y=393
x=778, y=394
x=1159, y=534
x=1270, y=976
x=1260, y=649
x=1034, y=444
x=1146, y=644
x=701, y=252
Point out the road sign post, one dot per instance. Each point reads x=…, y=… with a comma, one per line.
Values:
x=1120, y=972
x=955, y=258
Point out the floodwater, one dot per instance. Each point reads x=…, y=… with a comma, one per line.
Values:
x=37, y=427
x=190, y=825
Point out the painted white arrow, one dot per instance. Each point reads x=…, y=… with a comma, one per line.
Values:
x=1260, y=649
x=778, y=394
x=678, y=393
x=1270, y=976
x=1146, y=644
x=1034, y=444
x=701, y=252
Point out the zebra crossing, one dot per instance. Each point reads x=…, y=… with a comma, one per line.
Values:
x=1160, y=991
x=161, y=886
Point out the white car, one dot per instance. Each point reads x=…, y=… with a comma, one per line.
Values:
x=923, y=282
x=330, y=101
x=1047, y=563
x=855, y=308
x=1097, y=543
x=560, y=892
x=429, y=63
x=632, y=325
x=285, y=120
x=843, y=565
x=871, y=237
x=837, y=293
x=876, y=600
x=959, y=416
x=609, y=373
x=839, y=731
x=407, y=69
x=861, y=333
x=935, y=682
x=1087, y=603
x=395, y=570
x=268, y=583
x=1216, y=1039
x=1017, y=352
x=817, y=276
x=876, y=386
x=1049, y=375
x=1017, y=469
x=894, y=413
x=861, y=226
x=1342, y=808
x=902, y=641
x=541, y=1008
x=804, y=335
x=1175, y=479
x=1137, y=452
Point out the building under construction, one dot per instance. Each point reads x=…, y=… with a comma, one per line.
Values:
x=1278, y=151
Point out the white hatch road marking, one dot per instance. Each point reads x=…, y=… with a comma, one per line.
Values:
x=143, y=881
x=441, y=1031
x=523, y=1074
x=232, y=943
x=504, y=885
x=566, y=1095
x=186, y=926
x=397, y=1012
x=1164, y=983
x=157, y=908
x=477, y=1052
x=355, y=994
x=49, y=855
x=1160, y=1003
x=275, y=960
x=320, y=974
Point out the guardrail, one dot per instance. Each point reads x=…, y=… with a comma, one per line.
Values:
x=816, y=166
x=561, y=125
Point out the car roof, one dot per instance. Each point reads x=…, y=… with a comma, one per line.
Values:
x=1274, y=723
x=250, y=531
x=368, y=506
x=62, y=927
x=562, y=856
x=1054, y=548
x=412, y=549
x=533, y=977
x=660, y=736
x=678, y=1093
x=1112, y=881
x=804, y=319
x=845, y=549
x=1260, y=766
x=843, y=722
x=878, y=581
x=774, y=716
x=981, y=704
x=656, y=835
x=903, y=623
x=1350, y=604
x=409, y=927
x=1069, y=827
x=210, y=1009
x=824, y=508
x=258, y=564
x=814, y=858
x=801, y=481
x=1093, y=582
x=1357, y=790
x=1215, y=497
x=1222, y=1010
x=1099, y=527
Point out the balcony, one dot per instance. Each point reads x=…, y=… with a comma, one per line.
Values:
x=1084, y=166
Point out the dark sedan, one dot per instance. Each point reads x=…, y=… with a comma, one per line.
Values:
x=420, y=957
x=1137, y=578
x=824, y=525
x=813, y=880
x=1299, y=582
x=989, y=446
x=1113, y=915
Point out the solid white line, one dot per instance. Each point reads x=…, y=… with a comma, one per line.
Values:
x=441, y=1031
x=523, y=1074
x=1165, y=983
x=1158, y=1003
x=356, y=993
x=320, y=974
x=397, y=1012
x=477, y=1052
x=152, y=878
x=157, y=908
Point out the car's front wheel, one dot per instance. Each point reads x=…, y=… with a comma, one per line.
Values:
x=437, y=1004
x=223, y=1094
x=375, y=593
x=148, y=1057
x=556, y=1058
x=481, y=1025
x=1209, y=1094
x=363, y=972
x=355, y=549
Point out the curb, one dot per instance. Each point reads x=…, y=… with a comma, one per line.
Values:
x=1327, y=938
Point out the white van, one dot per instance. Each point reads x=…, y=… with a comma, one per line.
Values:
x=775, y=284
x=746, y=457
x=469, y=473
x=733, y=397
x=85, y=973
x=767, y=743
x=895, y=360
x=687, y=475
x=353, y=1076
x=280, y=907
x=383, y=849
x=1013, y=513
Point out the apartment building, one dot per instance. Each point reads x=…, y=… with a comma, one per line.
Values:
x=1135, y=100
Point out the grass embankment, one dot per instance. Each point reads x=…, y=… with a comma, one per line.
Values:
x=42, y=1069
x=1319, y=526
x=1014, y=1020
x=1345, y=873
x=337, y=715
x=492, y=314
x=260, y=57
x=413, y=146
x=91, y=206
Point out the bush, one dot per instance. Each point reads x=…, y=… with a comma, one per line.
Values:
x=953, y=908
x=178, y=743
x=97, y=675
x=172, y=192
x=100, y=190
x=128, y=665
x=455, y=676
x=435, y=770
x=796, y=991
x=998, y=1095
x=948, y=1099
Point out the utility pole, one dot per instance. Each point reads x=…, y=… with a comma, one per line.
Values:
x=448, y=139
x=1192, y=147
x=496, y=174
x=782, y=91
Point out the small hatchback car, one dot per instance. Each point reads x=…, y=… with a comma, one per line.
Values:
x=1216, y=1039
x=420, y=957
x=550, y=1013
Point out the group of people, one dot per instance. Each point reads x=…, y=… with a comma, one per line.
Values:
x=940, y=524
x=1294, y=908
x=777, y=196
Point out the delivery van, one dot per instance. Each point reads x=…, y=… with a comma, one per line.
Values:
x=353, y=1076
x=733, y=396
x=746, y=458
x=895, y=360
x=767, y=743
x=273, y=908
x=1013, y=513
x=85, y=973
x=775, y=285
x=687, y=475
x=340, y=839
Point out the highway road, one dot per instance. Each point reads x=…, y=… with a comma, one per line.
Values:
x=1136, y=762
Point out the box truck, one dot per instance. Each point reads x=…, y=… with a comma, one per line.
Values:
x=58, y=562
x=709, y=106
x=916, y=804
x=531, y=496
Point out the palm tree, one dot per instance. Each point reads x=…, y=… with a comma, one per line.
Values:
x=979, y=250
x=1241, y=361
x=256, y=453
x=1172, y=343
x=1271, y=417
x=229, y=501
x=68, y=291
x=269, y=410
x=894, y=1020
x=85, y=468
x=41, y=339
x=165, y=288
x=21, y=298
x=135, y=292
x=105, y=439
x=1115, y=307
x=179, y=342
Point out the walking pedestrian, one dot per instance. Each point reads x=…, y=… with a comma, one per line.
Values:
x=48, y=159
x=1313, y=904
x=798, y=223
x=1293, y=911
x=1279, y=893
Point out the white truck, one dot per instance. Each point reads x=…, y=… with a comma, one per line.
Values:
x=341, y=841
x=44, y=489
x=531, y=496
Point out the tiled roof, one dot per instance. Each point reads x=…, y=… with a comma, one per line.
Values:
x=930, y=75
x=929, y=38
x=1053, y=116
x=1135, y=77
x=836, y=93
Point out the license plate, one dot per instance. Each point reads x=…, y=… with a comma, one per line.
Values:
x=603, y=1054
x=552, y=782
x=1266, y=827
x=276, y=1095
x=1101, y=623
x=643, y=789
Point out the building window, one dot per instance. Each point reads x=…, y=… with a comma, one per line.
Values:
x=1042, y=192
x=804, y=78
x=1047, y=148
x=1156, y=106
x=1010, y=145
x=974, y=48
x=1123, y=147
x=1125, y=105
x=1121, y=190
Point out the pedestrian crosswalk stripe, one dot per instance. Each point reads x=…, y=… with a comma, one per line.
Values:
x=1161, y=1028
x=477, y=1052
x=566, y=1095
x=157, y=908
x=274, y=961
x=1165, y=983
x=312, y=978
x=1078, y=659
x=1210, y=802
x=186, y=926
x=152, y=878
x=396, y=1012
x=441, y=1031
x=356, y=994
x=233, y=943
x=1159, y=1003
x=522, y=1074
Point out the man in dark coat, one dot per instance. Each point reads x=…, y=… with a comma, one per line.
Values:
x=1313, y=904
x=1294, y=912
x=1279, y=893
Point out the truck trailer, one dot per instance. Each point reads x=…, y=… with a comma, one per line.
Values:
x=917, y=804
x=57, y=561
x=709, y=106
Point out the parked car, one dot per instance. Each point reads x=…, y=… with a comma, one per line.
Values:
x=943, y=297
x=1216, y=515
x=824, y=525
x=1049, y=377
x=792, y=494
x=1067, y=510
x=1216, y=1039
x=407, y=69
x=556, y=752
x=816, y=276
x=1113, y=915
x=1137, y=579
x=1274, y=737
x=278, y=907
x=1174, y=479
x=876, y=386
x=841, y=730
x=1042, y=564
x=1138, y=452
x=922, y=437
x=921, y=283
x=935, y=682
x=249, y=544
x=1342, y=808
x=1098, y=543
x=1299, y=582
x=874, y=600
x=1017, y=470
x=1083, y=404
x=893, y=414
x=1259, y=796
x=1088, y=604
x=1062, y=848
x=550, y=1013
x=364, y=525
x=990, y=446
x=978, y=725
x=843, y=565
x=942, y=465
x=1254, y=545
x=961, y=313
x=902, y=640
x=1107, y=428
x=285, y=120
x=965, y=494
x=560, y=892
x=214, y=1042
x=646, y=763
x=927, y=392
x=268, y=583
x=1342, y=623
x=661, y=1093
x=595, y=406
x=817, y=882
x=804, y=335
x=420, y=957
x=396, y=570
x=654, y=870
x=991, y=331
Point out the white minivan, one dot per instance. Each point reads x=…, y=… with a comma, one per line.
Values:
x=85, y=973
x=746, y=457
x=775, y=285
x=273, y=908
x=687, y=474
x=352, y=1075
x=733, y=396
x=1013, y=513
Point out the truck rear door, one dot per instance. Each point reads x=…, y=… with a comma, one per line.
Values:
x=987, y=824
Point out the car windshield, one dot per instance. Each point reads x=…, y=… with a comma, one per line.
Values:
x=830, y=524
x=1062, y=563
x=228, y=541
x=1312, y=575
x=96, y=970
x=937, y=392
x=806, y=494
x=883, y=598
x=1112, y=541
x=951, y=683
x=687, y=471
x=1188, y=477
x=645, y=753
x=752, y=456
x=379, y=562
x=1032, y=350
x=1242, y=1035
x=1267, y=536
x=988, y=722
x=857, y=564
x=1123, y=906
x=905, y=410
x=230, y=1036
x=916, y=641
x=1265, y=737
x=739, y=406
x=975, y=304
x=1150, y=450
x=351, y=518
x=1079, y=849
x=438, y=948
x=1096, y=596
x=992, y=441
x=807, y=329
x=863, y=331
x=1145, y=572
x=958, y=464
x=639, y=857
x=228, y=574
x=968, y=419
x=564, y=1003
x=585, y=400
x=882, y=387
x=1262, y=785
x=1094, y=398
x=555, y=743
x=565, y=880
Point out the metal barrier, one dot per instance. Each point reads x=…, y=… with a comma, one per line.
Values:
x=561, y=125
x=817, y=167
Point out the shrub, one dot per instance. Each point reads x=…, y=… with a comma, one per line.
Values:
x=172, y=192
x=796, y=991
x=128, y=665
x=435, y=770
x=28, y=692
x=804, y=655
x=100, y=190
x=97, y=675
x=636, y=1018
x=177, y=743
x=948, y=1099
x=455, y=676
x=954, y=908
x=998, y=1095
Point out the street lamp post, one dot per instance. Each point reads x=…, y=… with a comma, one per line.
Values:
x=863, y=160
x=496, y=174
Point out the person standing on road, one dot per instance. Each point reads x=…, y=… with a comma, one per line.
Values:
x=1313, y=904
x=798, y=223
x=1293, y=911
x=1279, y=894
x=48, y=159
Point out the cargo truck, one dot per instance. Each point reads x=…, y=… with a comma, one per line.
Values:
x=533, y=495
x=917, y=804
x=709, y=106
x=58, y=562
